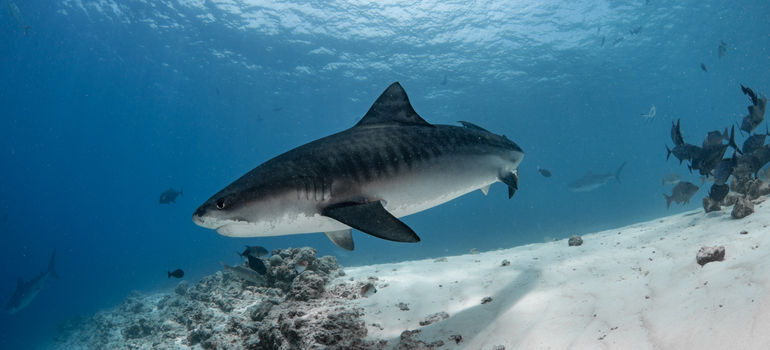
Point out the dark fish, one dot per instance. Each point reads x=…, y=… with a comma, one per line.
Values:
x=544, y=172
x=725, y=169
x=756, y=110
x=257, y=264
x=684, y=152
x=716, y=137
x=710, y=156
x=253, y=251
x=719, y=192
x=708, y=159
x=722, y=51
x=754, y=142
x=178, y=273
x=703, y=68
x=676, y=133
x=603, y=39
x=169, y=196
x=681, y=193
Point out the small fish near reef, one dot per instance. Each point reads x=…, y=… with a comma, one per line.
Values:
x=27, y=291
x=256, y=264
x=681, y=193
x=544, y=172
x=253, y=251
x=169, y=196
x=756, y=110
x=244, y=273
x=391, y=164
x=178, y=273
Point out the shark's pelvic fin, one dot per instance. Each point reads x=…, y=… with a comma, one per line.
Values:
x=485, y=189
x=371, y=218
x=392, y=108
x=512, y=180
x=341, y=238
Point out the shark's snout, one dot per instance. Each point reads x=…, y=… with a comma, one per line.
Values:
x=201, y=218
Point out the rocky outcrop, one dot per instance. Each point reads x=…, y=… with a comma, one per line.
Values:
x=295, y=308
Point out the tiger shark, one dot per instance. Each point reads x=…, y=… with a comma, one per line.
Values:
x=27, y=291
x=391, y=164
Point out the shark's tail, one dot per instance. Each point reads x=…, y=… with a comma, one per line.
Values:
x=668, y=155
x=617, y=173
x=50, y=265
x=668, y=200
x=169, y=274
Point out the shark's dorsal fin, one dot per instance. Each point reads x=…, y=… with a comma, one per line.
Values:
x=392, y=107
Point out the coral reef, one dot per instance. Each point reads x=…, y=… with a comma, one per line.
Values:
x=295, y=308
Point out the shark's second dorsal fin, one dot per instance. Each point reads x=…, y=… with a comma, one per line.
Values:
x=392, y=107
x=470, y=125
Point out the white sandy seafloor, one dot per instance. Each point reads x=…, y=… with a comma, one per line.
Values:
x=635, y=287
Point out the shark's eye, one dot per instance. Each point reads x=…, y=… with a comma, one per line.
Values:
x=221, y=204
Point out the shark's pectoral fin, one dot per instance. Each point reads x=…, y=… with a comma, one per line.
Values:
x=371, y=218
x=512, y=180
x=485, y=189
x=341, y=238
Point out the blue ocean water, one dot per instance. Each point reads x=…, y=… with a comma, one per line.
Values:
x=104, y=105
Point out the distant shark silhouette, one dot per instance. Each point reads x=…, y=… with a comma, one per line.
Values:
x=27, y=291
x=591, y=181
x=391, y=164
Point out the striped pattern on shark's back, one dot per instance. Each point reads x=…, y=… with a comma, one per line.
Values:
x=368, y=153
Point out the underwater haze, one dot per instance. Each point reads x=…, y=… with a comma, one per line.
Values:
x=106, y=104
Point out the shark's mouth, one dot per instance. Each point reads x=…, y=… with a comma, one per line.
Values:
x=237, y=229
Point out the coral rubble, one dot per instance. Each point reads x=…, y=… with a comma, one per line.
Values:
x=292, y=309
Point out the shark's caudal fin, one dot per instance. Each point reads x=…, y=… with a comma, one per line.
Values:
x=50, y=265
x=617, y=173
x=341, y=238
x=668, y=155
x=392, y=107
x=371, y=218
